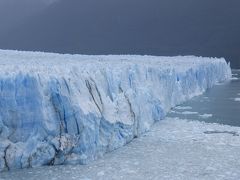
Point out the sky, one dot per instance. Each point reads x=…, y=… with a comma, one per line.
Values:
x=154, y=27
x=15, y=12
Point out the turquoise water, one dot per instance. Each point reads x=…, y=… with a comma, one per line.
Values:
x=220, y=104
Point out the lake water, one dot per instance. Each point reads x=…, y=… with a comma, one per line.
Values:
x=220, y=104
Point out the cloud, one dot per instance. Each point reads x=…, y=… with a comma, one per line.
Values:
x=49, y=1
x=7, y=2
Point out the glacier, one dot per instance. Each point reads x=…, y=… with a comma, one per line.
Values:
x=72, y=109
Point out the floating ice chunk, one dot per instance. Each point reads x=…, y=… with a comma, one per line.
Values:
x=101, y=173
x=189, y=112
x=234, y=78
x=183, y=107
x=205, y=116
x=237, y=99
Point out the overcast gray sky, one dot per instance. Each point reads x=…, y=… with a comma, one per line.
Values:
x=156, y=27
x=15, y=12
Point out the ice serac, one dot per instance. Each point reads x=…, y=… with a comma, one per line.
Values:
x=71, y=109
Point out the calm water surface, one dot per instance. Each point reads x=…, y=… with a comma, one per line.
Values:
x=220, y=104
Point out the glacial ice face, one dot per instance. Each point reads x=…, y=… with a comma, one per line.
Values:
x=68, y=109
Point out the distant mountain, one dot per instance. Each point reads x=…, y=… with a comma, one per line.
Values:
x=166, y=27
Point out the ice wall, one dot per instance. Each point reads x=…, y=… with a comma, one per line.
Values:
x=68, y=109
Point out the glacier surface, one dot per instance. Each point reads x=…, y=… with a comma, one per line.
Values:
x=71, y=109
x=174, y=149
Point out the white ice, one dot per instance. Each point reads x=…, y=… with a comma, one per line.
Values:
x=189, y=112
x=234, y=78
x=173, y=149
x=205, y=116
x=183, y=107
x=237, y=99
x=72, y=109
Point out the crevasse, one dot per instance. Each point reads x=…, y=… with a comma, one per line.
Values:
x=71, y=109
